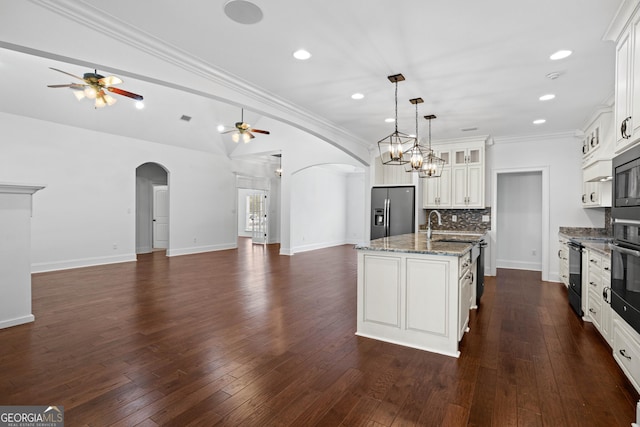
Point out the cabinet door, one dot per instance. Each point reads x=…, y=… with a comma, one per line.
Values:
x=475, y=186
x=635, y=83
x=623, y=76
x=430, y=193
x=444, y=199
x=459, y=186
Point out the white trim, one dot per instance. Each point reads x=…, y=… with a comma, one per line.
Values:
x=545, y=210
x=16, y=321
x=315, y=246
x=518, y=265
x=81, y=262
x=201, y=249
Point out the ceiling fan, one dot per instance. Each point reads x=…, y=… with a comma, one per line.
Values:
x=94, y=86
x=244, y=130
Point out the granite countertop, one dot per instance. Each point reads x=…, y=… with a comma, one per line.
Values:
x=441, y=243
x=596, y=239
x=601, y=247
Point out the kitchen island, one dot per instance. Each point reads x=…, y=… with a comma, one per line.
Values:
x=417, y=292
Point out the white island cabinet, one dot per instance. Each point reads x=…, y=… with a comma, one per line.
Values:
x=414, y=292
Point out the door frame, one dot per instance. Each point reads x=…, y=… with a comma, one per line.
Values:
x=545, y=210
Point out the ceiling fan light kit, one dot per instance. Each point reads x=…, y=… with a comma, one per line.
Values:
x=244, y=131
x=393, y=148
x=94, y=87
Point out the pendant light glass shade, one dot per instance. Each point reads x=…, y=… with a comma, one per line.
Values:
x=432, y=164
x=394, y=148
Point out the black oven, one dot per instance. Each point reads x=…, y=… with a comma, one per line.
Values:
x=626, y=185
x=625, y=271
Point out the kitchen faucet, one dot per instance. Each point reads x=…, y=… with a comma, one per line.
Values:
x=429, y=223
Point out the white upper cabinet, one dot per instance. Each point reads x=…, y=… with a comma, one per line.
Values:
x=461, y=185
x=625, y=31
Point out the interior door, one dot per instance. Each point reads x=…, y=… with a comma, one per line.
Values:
x=160, y=216
x=258, y=212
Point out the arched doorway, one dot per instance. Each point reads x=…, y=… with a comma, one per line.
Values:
x=152, y=207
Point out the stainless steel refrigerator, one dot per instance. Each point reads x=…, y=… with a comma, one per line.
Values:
x=392, y=211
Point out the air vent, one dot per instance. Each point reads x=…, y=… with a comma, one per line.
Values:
x=185, y=118
x=469, y=129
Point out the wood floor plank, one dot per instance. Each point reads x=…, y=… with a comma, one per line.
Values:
x=248, y=337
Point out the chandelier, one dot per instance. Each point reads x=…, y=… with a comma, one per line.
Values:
x=416, y=153
x=393, y=147
x=432, y=164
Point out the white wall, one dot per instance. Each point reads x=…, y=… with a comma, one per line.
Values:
x=87, y=214
x=562, y=155
x=519, y=220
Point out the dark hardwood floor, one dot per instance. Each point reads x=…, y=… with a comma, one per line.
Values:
x=248, y=337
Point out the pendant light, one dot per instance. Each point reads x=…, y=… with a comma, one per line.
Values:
x=393, y=148
x=432, y=165
x=416, y=153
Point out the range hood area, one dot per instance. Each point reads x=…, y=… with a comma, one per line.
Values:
x=598, y=171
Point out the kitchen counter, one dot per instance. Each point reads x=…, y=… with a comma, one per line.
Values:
x=596, y=239
x=441, y=243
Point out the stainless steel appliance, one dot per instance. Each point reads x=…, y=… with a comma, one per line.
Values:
x=626, y=185
x=480, y=272
x=575, y=276
x=392, y=211
x=625, y=271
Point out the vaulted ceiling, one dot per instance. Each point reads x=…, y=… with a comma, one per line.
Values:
x=479, y=66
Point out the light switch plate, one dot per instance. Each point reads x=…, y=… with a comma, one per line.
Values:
x=486, y=218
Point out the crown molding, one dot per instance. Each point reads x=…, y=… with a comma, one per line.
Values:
x=573, y=134
x=92, y=17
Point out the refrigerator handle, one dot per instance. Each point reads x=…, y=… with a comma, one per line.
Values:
x=387, y=208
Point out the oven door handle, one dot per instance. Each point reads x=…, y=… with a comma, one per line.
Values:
x=626, y=251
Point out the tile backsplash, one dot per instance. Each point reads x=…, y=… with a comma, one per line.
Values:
x=466, y=220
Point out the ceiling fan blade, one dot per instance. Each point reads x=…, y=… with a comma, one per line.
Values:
x=71, y=85
x=251, y=136
x=110, y=80
x=125, y=93
x=68, y=74
x=228, y=131
x=266, y=132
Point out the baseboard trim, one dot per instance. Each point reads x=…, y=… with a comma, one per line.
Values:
x=42, y=267
x=17, y=321
x=201, y=249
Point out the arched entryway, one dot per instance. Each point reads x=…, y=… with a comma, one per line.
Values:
x=152, y=207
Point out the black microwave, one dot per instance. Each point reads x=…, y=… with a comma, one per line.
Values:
x=626, y=185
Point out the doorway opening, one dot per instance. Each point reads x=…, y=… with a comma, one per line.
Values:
x=520, y=220
x=152, y=208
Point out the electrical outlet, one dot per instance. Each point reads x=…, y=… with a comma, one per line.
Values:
x=115, y=246
x=195, y=240
x=533, y=251
x=454, y=218
x=486, y=218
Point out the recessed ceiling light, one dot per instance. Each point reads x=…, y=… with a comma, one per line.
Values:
x=243, y=12
x=139, y=105
x=220, y=128
x=539, y=121
x=390, y=120
x=561, y=54
x=301, y=54
x=547, y=97
x=357, y=96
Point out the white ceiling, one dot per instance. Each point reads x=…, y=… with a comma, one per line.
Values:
x=476, y=64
